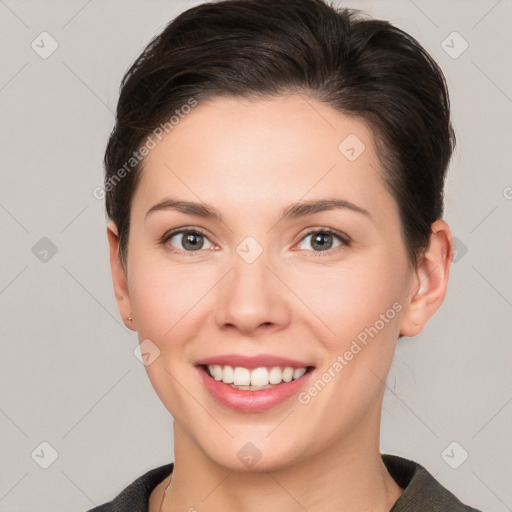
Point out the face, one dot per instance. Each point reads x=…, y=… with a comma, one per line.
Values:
x=224, y=266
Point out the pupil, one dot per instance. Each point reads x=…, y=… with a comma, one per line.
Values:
x=321, y=238
x=193, y=241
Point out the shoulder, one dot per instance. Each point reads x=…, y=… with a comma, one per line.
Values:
x=422, y=492
x=135, y=497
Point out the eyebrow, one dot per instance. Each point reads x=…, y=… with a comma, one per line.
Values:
x=296, y=210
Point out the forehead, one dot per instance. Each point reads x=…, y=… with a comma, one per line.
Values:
x=248, y=150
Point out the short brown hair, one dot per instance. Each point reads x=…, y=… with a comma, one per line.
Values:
x=263, y=48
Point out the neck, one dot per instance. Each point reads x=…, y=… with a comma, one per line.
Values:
x=348, y=475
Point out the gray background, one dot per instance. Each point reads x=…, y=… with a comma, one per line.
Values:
x=68, y=375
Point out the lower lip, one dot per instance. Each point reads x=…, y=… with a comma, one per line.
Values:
x=253, y=401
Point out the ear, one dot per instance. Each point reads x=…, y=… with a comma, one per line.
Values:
x=430, y=282
x=119, y=279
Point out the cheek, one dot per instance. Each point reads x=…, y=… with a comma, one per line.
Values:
x=166, y=303
x=347, y=300
x=361, y=305
x=167, y=299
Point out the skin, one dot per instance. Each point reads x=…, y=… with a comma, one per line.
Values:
x=249, y=159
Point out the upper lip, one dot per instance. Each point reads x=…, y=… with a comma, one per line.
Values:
x=252, y=361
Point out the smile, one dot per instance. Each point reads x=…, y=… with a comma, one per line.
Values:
x=257, y=378
x=250, y=385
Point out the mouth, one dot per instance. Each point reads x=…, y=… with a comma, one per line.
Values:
x=253, y=387
x=254, y=379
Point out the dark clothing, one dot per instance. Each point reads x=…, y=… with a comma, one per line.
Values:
x=422, y=492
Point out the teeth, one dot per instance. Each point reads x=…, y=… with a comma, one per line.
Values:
x=241, y=377
x=257, y=377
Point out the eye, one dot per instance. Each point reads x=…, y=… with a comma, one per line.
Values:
x=323, y=240
x=187, y=240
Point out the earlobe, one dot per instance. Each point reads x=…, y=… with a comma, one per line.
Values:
x=119, y=279
x=431, y=281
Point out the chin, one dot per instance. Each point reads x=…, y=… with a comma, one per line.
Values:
x=254, y=454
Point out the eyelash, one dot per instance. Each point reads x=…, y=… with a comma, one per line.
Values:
x=345, y=241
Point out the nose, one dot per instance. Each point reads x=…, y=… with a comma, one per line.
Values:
x=252, y=298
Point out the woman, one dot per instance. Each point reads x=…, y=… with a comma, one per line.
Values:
x=274, y=184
